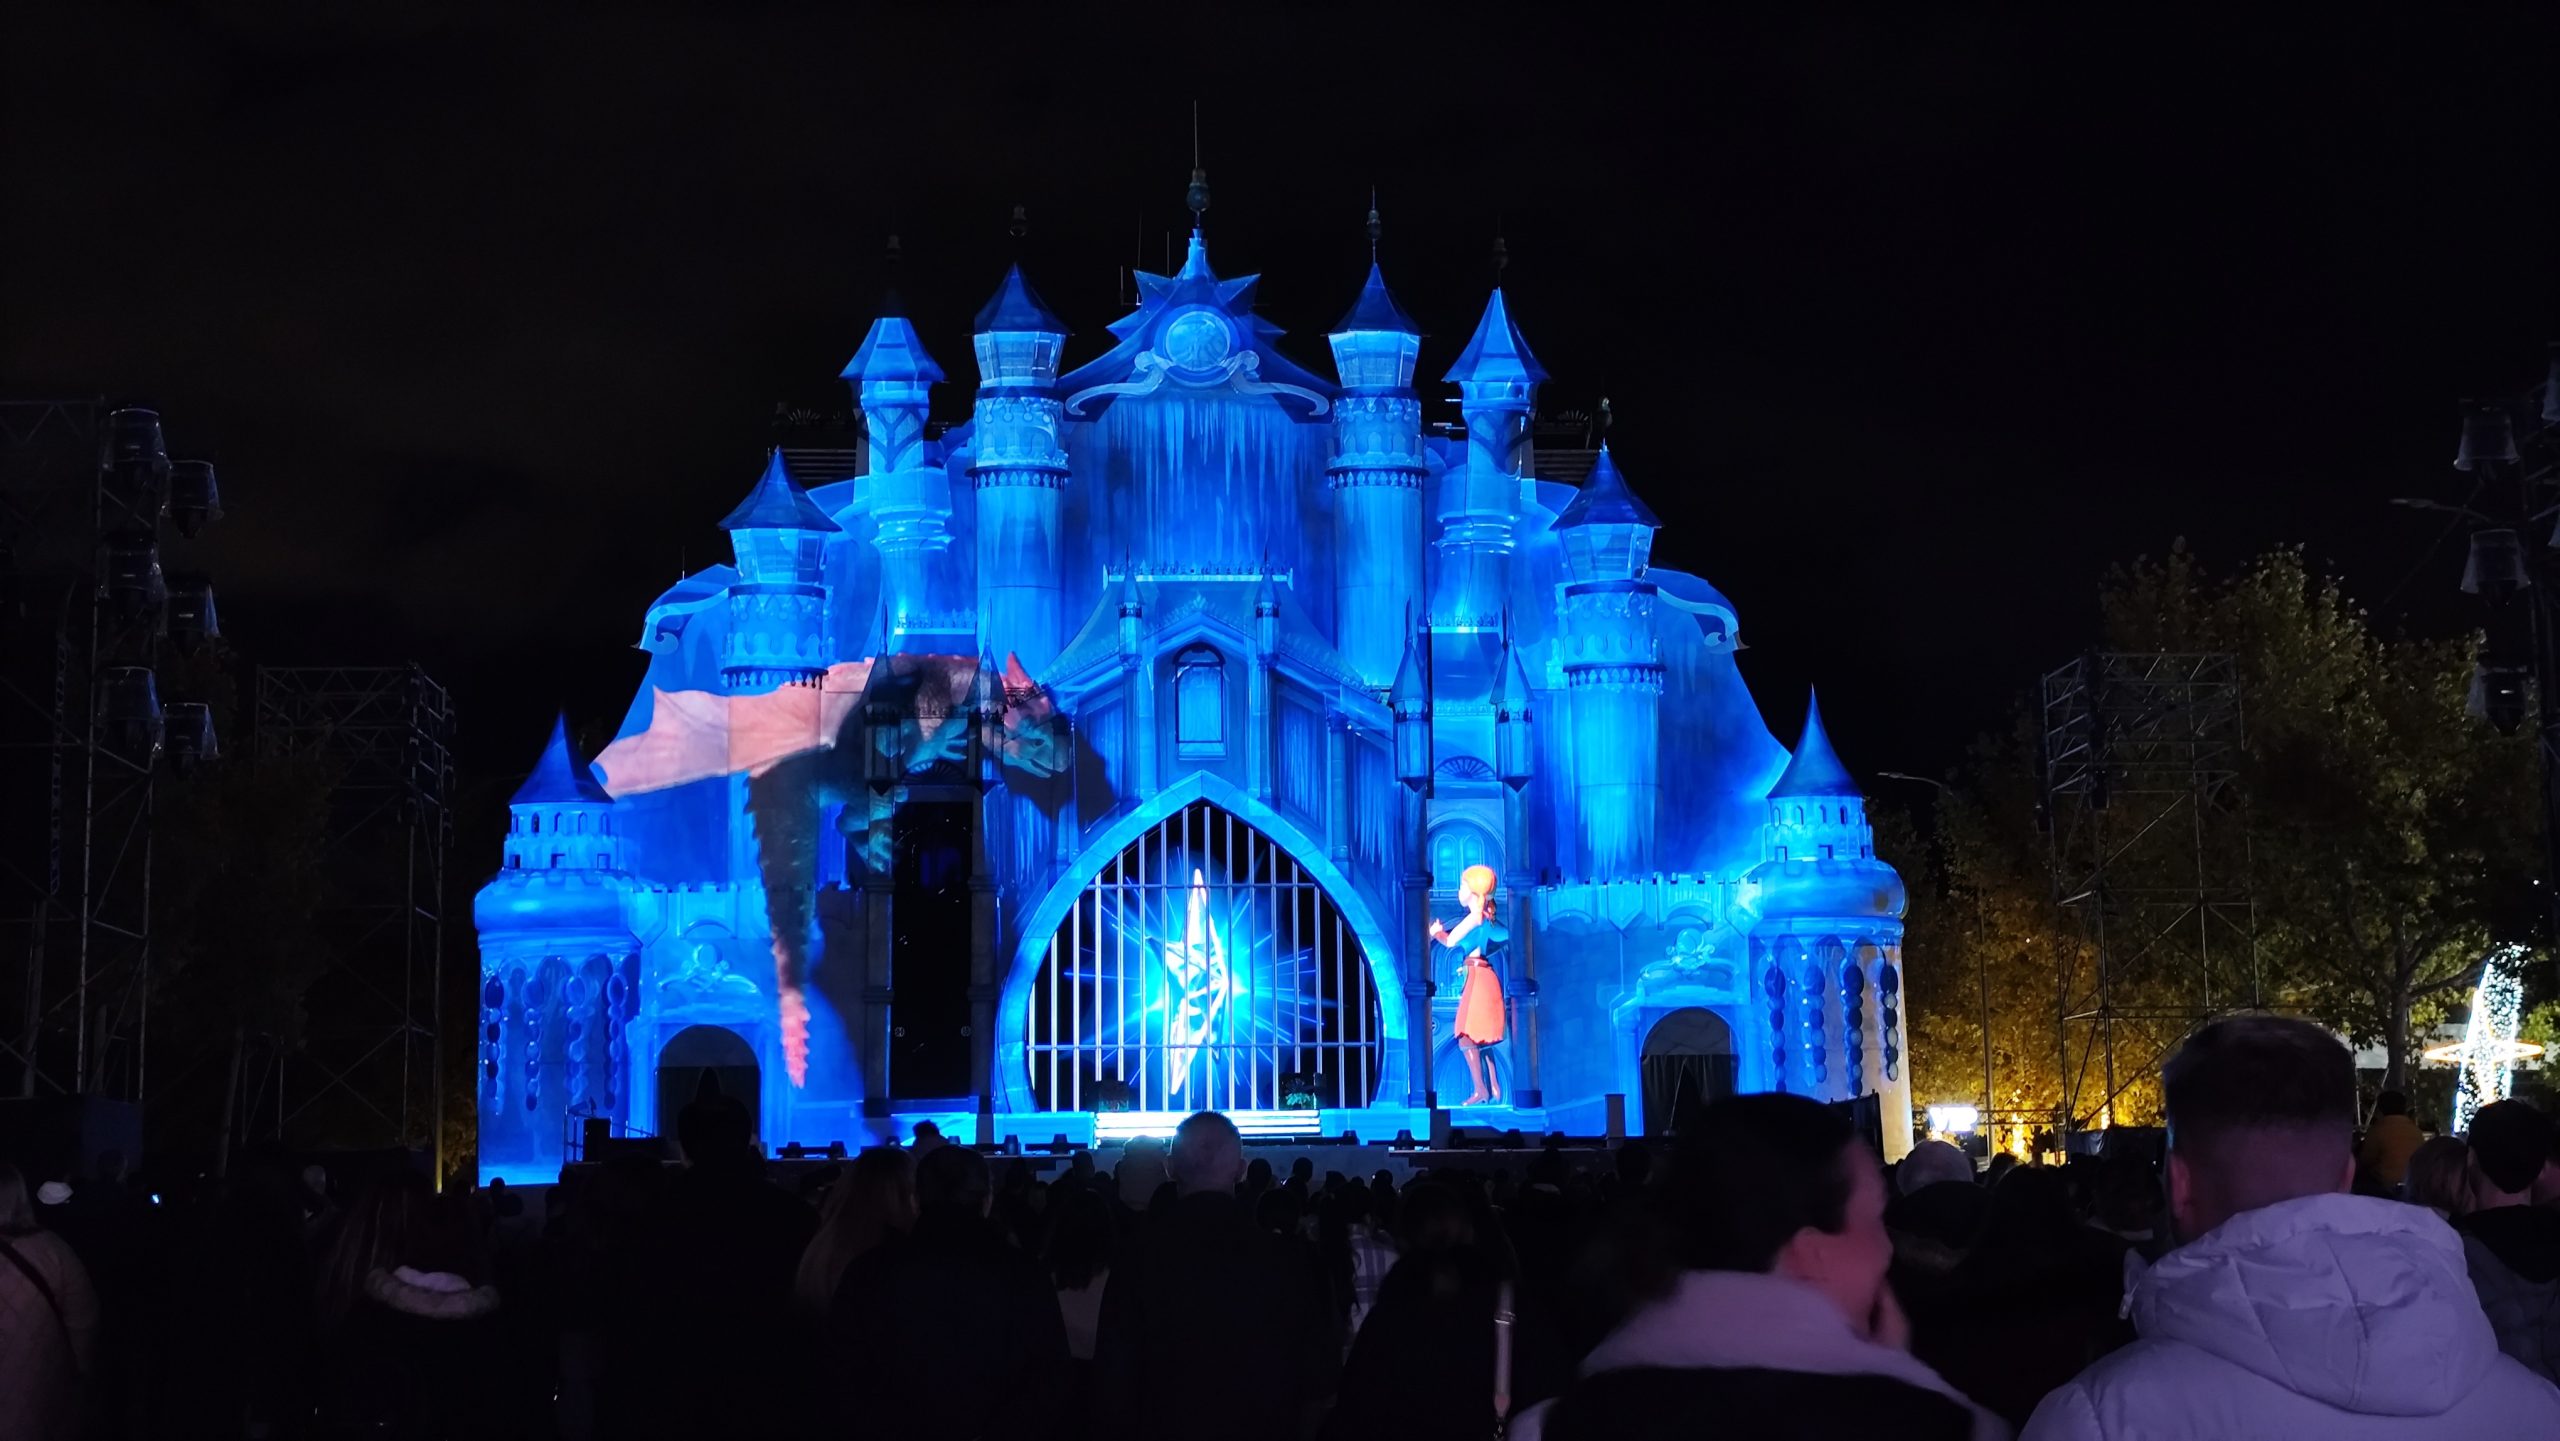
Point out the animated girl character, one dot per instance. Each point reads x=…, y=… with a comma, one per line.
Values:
x=1480, y=1009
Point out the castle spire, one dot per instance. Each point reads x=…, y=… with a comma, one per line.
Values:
x=560, y=778
x=1815, y=769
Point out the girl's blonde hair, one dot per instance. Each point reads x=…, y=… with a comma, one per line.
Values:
x=1481, y=880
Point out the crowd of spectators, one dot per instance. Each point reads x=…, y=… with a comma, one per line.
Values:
x=2275, y=1273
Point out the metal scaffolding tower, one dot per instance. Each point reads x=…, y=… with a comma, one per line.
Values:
x=90, y=623
x=369, y=1070
x=2150, y=851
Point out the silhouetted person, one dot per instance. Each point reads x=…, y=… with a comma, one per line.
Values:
x=1780, y=1324
x=48, y=1323
x=2031, y=1302
x=873, y=1201
x=2510, y=1245
x=2440, y=1176
x=1078, y=1253
x=1211, y=1326
x=1424, y=1363
x=727, y=1244
x=949, y=1330
x=2390, y=1141
x=2293, y=1308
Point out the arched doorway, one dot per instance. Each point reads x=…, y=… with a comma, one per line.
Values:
x=1688, y=1061
x=698, y=1054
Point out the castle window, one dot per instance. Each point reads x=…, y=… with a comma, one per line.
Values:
x=1200, y=702
x=1799, y=820
x=536, y=822
x=1782, y=853
x=514, y=861
x=559, y=860
x=604, y=861
x=1456, y=846
x=1826, y=853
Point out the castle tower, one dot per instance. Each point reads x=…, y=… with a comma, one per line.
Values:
x=1376, y=476
x=909, y=496
x=778, y=608
x=559, y=967
x=1612, y=671
x=1497, y=380
x=1827, y=951
x=1020, y=474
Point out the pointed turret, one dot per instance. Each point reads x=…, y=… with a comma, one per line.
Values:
x=1019, y=470
x=1376, y=310
x=1409, y=699
x=1497, y=380
x=1376, y=474
x=1497, y=354
x=1815, y=769
x=1607, y=532
x=1017, y=309
x=1820, y=889
x=891, y=349
x=556, y=913
x=560, y=778
x=907, y=491
x=1515, y=755
x=776, y=502
x=778, y=607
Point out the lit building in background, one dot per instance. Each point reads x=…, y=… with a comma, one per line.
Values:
x=1109, y=754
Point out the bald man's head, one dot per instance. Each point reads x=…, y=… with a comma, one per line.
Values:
x=1208, y=1155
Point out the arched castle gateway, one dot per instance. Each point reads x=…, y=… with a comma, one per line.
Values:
x=1106, y=755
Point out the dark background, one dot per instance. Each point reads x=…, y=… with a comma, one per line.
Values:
x=1911, y=326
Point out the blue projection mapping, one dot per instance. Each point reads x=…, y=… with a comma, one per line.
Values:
x=1132, y=733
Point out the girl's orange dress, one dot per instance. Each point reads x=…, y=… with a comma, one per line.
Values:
x=1480, y=1008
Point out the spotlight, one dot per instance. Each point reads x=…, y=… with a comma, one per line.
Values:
x=2488, y=433
x=2496, y=569
x=2497, y=695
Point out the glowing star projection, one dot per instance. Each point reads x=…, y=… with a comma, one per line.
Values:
x=1202, y=987
x=2489, y=1049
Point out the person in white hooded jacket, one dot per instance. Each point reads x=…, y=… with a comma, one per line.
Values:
x=2294, y=1309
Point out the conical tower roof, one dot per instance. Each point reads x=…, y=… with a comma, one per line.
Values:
x=891, y=349
x=1016, y=308
x=777, y=503
x=1605, y=500
x=1511, y=683
x=1411, y=692
x=560, y=778
x=1376, y=309
x=1496, y=352
x=1815, y=769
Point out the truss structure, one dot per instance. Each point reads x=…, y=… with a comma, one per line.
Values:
x=369, y=1070
x=76, y=811
x=2150, y=852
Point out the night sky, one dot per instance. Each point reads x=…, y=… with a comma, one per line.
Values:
x=1910, y=326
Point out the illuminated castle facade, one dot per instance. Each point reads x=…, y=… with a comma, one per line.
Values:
x=1107, y=755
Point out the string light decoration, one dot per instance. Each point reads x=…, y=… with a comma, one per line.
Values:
x=2489, y=1050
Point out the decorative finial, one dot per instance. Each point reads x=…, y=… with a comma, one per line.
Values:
x=1021, y=225
x=895, y=254
x=1604, y=418
x=1501, y=259
x=1197, y=197
x=1373, y=225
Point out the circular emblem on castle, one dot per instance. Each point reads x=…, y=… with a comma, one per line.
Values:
x=1197, y=340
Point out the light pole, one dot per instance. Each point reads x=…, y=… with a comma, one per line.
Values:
x=1981, y=960
x=2512, y=568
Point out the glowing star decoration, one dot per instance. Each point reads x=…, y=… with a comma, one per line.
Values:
x=1198, y=965
x=2489, y=1049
